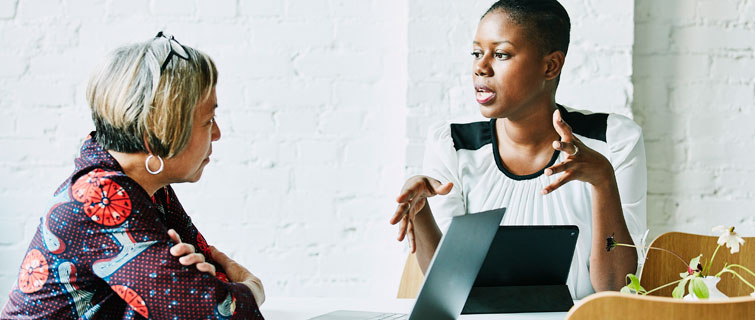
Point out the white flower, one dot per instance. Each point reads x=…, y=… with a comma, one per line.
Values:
x=729, y=237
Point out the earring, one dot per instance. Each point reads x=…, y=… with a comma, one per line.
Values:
x=146, y=164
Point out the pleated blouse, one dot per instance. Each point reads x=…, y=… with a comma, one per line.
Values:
x=467, y=154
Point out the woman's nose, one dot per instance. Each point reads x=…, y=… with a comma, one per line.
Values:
x=482, y=67
x=215, y=130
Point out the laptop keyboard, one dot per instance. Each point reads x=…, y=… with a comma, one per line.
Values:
x=390, y=316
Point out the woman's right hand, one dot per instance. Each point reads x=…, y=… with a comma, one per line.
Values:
x=187, y=256
x=237, y=273
x=412, y=199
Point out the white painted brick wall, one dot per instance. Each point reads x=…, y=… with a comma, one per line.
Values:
x=312, y=102
x=694, y=62
x=324, y=106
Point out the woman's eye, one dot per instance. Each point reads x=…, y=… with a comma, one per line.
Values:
x=501, y=55
x=477, y=54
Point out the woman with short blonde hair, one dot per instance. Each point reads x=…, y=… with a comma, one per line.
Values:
x=110, y=244
x=131, y=100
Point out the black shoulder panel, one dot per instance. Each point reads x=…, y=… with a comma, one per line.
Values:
x=588, y=125
x=470, y=136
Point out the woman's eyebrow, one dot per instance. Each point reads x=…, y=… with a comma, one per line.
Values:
x=496, y=42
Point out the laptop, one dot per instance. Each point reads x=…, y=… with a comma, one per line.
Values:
x=525, y=270
x=451, y=274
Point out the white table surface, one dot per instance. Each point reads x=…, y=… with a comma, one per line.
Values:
x=305, y=308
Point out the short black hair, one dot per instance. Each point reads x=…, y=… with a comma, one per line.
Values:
x=546, y=21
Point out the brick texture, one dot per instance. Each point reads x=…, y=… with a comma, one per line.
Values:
x=694, y=97
x=311, y=95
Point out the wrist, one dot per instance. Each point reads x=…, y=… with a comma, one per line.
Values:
x=424, y=216
x=606, y=179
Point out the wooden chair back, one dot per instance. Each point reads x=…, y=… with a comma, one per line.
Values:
x=411, y=279
x=619, y=306
x=661, y=267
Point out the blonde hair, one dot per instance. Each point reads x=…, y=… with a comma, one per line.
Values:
x=132, y=101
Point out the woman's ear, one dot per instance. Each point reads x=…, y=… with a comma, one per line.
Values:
x=146, y=144
x=554, y=62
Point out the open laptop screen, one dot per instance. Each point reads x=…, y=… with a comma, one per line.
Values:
x=528, y=255
x=525, y=270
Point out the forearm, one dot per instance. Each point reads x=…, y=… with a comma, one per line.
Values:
x=427, y=236
x=608, y=269
x=213, y=295
x=238, y=274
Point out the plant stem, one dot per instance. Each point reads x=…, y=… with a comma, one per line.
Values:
x=661, y=249
x=738, y=276
x=741, y=267
x=663, y=286
x=710, y=263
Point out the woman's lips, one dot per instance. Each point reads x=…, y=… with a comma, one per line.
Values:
x=483, y=94
x=484, y=97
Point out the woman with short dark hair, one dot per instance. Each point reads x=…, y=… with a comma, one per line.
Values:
x=547, y=164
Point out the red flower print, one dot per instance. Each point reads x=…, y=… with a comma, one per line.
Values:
x=205, y=249
x=86, y=183
x=133, y=299
x=202, y=244
x=34, y=272
x=108, y=204
x=221, y=276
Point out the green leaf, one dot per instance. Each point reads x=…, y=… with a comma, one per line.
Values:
x=678, y=292
x=634, y=284
x=699, y=288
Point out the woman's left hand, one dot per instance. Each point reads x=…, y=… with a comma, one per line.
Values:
x=582, y=163
x=187, y=254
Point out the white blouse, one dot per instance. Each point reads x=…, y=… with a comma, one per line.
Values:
x=467, y=155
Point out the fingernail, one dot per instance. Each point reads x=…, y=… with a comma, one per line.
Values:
x=548, y=172
x=545, y=191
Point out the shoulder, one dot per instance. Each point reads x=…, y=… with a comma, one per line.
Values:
x=586, y=123
x=609, y=128
x=463, y=135
x=622, y=129
x=107, y=197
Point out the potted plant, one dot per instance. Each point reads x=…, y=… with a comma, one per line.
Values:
x=697, y=280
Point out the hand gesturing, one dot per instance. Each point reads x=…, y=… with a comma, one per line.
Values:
x=412, y=199
x=582, y=163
